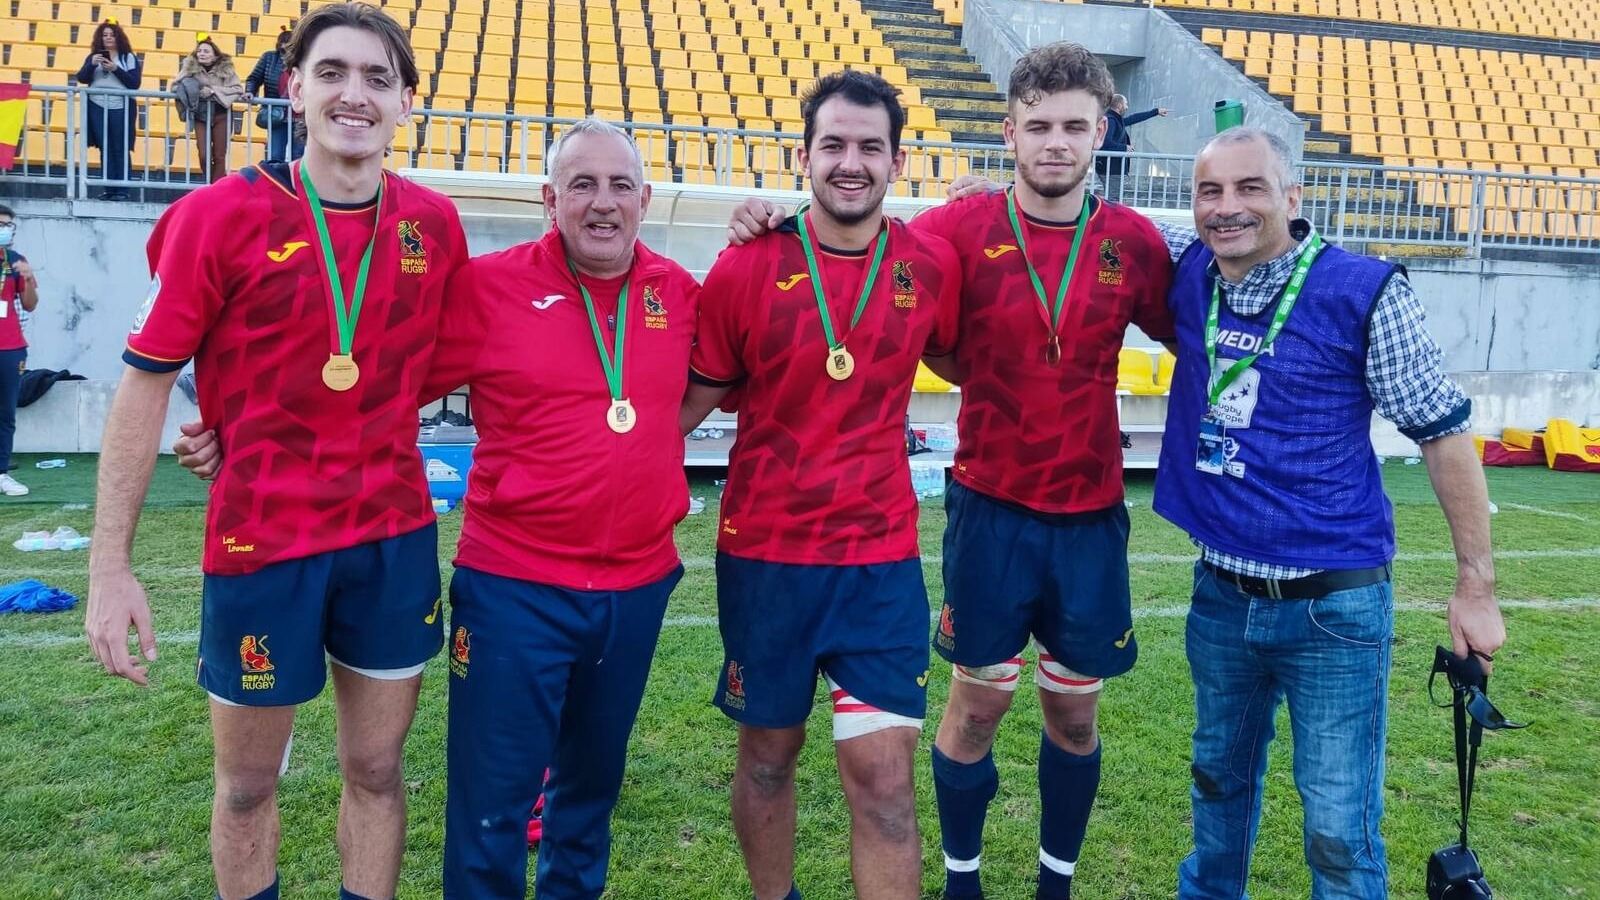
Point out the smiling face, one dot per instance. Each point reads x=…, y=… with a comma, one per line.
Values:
x=1055, y=140
x=598, y=198
x=850, y=160
x=1242, y=204
x=347, y=89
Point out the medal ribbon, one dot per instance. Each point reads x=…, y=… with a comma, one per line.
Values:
x=346, y=318
x=1291, y=293
x=870, y=277
x=1052, y=314
x=612, y=363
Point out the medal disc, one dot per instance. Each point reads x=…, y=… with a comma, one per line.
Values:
x=1052, y=351
x=340, y=372
x=620, y=416
x=841, y=365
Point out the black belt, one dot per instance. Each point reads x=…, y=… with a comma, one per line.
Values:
x=1308, y=588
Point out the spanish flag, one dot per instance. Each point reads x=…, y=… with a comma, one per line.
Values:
x=13, y=109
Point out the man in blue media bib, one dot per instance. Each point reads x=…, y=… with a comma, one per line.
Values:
x=1286, y=347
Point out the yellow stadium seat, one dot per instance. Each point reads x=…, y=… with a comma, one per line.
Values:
x=1136, y=372
x=1166, y=363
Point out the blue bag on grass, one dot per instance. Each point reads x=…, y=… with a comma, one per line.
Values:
x=29, y=595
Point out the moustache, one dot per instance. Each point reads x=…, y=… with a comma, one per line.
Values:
x=1231, y=221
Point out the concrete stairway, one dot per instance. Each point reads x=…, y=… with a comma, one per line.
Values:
x=963, y=97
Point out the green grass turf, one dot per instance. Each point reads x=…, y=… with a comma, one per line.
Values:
x=105, y=788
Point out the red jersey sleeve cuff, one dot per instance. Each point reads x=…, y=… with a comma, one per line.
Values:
x=152, y=363
x=699, y=377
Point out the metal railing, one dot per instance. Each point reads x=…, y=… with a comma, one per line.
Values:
x=1459, y=211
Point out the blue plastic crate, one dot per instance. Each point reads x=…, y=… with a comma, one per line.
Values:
x=447, y=466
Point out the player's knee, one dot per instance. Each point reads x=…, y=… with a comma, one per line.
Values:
x=768, y=778
x=1076, y=737
x=245, y=795
x=976, y=729
x=373, y=772
x=884, y=798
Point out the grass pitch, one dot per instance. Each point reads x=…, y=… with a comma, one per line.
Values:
x=105, y=789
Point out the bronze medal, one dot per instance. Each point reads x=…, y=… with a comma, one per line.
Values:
x=340, y=372
x=1052, y=351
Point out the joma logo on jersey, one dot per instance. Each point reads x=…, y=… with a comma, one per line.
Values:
x=289, y=249
x=998, y=250
x=905, y=285
x=788, y=283
x=254, y=662
x=1110, y=262
x=1243, y=340
x=655, y=313
x=232, y=545
x=413, y=255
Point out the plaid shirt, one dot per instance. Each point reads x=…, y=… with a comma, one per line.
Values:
x=1405, y=375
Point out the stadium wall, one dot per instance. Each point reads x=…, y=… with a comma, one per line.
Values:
x=1523, y=338
x=1155, y=61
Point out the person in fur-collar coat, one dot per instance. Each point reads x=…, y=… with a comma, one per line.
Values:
x=206, y=89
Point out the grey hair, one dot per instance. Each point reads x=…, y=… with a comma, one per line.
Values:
x=591, y=125
x=1118, y=101
x=1288, y=174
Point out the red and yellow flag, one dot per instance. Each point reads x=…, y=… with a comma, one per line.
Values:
x=13, y=110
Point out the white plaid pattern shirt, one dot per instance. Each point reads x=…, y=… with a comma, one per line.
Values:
x=1405, y=373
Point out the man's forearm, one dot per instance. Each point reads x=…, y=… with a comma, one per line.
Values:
x=30, y=296
x=698, y=402
x=127, y=457
x=1457, y=478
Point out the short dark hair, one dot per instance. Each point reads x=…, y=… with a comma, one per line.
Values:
x=365, y=17
x=6, y=211
x=860, y=88
x=123, y=45
x=1062, y=66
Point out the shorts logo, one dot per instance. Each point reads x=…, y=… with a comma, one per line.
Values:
x=433, y=617
x=413, y=255
x=922, y=680
x=905, y=285
x=143, y=315
x=1110, y=262
x=460, y=651
x=289, y=249
x=788, y=283
x=947, y=628
x=1123, y=643
x=998, y=250
x=733, y=697
x=254, y=662
x=655, y=314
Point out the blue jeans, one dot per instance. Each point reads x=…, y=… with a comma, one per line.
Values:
x=1329, y=657
x=12, y=362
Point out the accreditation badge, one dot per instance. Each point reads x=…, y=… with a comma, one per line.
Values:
x=1210, y=455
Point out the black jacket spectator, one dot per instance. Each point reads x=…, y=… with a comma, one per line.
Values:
x=1117, y=125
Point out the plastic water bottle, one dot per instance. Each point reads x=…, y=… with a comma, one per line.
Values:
x=50, y=464
x=927, y=481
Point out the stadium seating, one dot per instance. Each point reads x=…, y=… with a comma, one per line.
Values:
x=1559, y=19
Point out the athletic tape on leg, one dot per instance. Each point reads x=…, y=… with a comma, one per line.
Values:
x=852, y=718
x=1000, y=676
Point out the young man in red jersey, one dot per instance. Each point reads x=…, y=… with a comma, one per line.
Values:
x=820, y=325
x=308, y=297
x=1036, y=544
x=576, y=347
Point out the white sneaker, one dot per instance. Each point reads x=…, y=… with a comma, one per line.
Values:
x=12, y=487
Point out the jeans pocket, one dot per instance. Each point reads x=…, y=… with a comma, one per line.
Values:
x=1362, y=616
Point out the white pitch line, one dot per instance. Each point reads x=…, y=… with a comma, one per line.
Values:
x=184, y=638
x=1553, y=513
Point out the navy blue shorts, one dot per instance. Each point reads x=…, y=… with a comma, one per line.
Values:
x=266, y=637
x=864, y=627
x=1010, y=572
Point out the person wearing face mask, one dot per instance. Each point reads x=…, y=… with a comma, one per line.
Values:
x=206, y=89
x=819, y=325
x=110, y=67
x=19, y=293
x=264, y=82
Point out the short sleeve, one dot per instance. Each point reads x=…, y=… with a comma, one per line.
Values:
x=1151, y=312
x=463, y=328
x=938, y=221
x=187, y=285
x=942, y=340
x=718, y=357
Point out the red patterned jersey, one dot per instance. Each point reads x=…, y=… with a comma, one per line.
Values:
x=818, y=471
x=1042, y=436
x=11, y=288
x=237, y=285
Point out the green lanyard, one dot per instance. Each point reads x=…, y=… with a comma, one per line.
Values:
x=612, y=362
x=1279, y=316
x=816, y=279
x=1052, y=314
x=346, y=318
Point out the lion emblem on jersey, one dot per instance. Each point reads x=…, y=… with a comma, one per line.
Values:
x=905, y=285
x=1110, y=262
x=947, y=628
x=460, y=652
x=734, y=696
x=413, y=254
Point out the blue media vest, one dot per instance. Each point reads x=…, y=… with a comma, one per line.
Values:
x=1302, y=486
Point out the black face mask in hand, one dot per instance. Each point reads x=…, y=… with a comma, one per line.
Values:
x=1454, y=873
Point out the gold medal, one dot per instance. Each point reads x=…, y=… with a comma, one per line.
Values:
x=841, y=365
x=340, y=372
x=620, y=416
x=1052, y=351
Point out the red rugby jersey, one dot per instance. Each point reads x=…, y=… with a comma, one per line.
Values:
x=1042, y=436
x=11, y=285
x=818, y=472
x=555, y=496
x=237, y=285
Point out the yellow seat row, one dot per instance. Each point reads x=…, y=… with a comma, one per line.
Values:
x=1560, y=19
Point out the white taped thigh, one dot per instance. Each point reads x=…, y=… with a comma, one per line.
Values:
x=852, y=718
x=1056, y=678
x=1000, y=676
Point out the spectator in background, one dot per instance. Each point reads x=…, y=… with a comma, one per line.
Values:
x=111, y=66
x=206, y=89
x=19, y=291
x=1118, y=121
x=267, y=81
